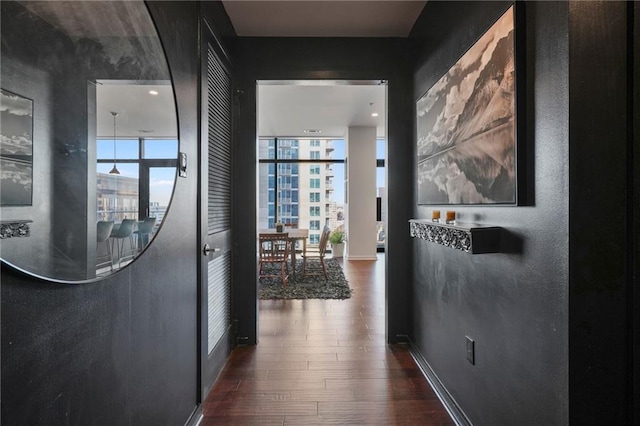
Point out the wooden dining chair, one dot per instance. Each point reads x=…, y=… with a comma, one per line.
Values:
x=274, y=250
x=294, y=243
x=313, y=259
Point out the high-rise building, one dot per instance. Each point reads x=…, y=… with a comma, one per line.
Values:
x=299, y=194
x=117, y=197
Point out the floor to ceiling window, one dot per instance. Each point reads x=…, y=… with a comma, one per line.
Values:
x=301, y=184
x=143, y=187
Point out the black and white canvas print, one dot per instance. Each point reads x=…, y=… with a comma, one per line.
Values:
x=466, y=126
x=16, y=149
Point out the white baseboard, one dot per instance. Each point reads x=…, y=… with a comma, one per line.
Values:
x=351, y=257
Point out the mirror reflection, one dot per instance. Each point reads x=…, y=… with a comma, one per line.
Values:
x=88, y=173
x=136, y=150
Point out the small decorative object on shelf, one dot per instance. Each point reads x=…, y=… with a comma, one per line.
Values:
x=451, y=217
x=15, y=228
x=435, y=216
x=468, y=237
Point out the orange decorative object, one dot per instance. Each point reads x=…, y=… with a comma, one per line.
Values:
x=435, y=215
x=451, y=216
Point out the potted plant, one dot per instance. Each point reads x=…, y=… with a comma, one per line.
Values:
x=337, y=239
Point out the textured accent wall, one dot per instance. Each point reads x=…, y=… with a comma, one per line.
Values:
x=601, y=204
x=513, y=304
x=553, y=314
x=123, y=350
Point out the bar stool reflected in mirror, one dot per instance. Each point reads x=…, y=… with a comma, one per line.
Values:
x=124, y=232
x=142, y=235
x=103, y=232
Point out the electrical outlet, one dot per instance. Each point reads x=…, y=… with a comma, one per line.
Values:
x=471, y=350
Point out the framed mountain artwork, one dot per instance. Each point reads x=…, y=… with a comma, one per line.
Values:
x=466, y=125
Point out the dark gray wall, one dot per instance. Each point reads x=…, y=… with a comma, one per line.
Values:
x=123, y=350
x=312, y=58
x=601, y=222
x=33, y=81
x=514, y=304
x=553, y=315
x=634, y=258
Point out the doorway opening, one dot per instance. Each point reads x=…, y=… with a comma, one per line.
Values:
x=321, y=154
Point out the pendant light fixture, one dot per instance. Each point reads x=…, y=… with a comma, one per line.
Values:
x=115, y=170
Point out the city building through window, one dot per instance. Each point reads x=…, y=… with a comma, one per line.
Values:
x=301, y=183
x=145, y=183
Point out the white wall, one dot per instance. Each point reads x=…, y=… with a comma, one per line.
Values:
x=360, y=210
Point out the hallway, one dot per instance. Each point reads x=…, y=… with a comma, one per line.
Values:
x=325, y=362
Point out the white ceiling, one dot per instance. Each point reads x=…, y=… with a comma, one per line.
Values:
x=140, y=114
x=286, y=109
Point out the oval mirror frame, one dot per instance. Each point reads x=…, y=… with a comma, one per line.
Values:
x=89, y=142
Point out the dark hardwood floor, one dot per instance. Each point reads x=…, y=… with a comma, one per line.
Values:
x=325, y=362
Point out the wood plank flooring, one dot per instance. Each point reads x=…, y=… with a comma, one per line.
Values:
x=325, y=362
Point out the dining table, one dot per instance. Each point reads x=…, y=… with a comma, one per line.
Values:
x=295, y=234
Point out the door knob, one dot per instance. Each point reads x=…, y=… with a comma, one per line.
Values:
x=207, y=249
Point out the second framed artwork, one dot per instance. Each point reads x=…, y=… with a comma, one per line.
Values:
x=16, y=149
x=466, y=125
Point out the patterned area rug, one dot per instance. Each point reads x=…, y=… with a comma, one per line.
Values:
x=310, y=287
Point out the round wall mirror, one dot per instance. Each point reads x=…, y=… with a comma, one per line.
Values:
x=89, y=137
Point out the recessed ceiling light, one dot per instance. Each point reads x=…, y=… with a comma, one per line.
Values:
x=374, y=114
x=312, y=131
x=153, y=92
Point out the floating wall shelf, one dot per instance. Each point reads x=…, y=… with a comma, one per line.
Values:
x=14, y=228
x=468, y=237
